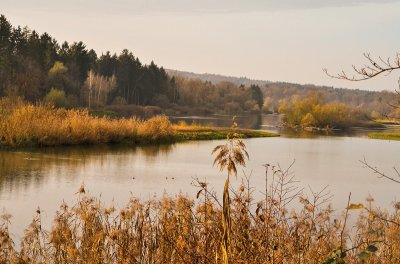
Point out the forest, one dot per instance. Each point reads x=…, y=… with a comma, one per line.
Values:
x=37, y=67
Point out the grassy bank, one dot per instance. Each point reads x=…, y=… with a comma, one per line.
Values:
x=387, y=136
x=195, y=132
x=28, y=125
x=388, y=121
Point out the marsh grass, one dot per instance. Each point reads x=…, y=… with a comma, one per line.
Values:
x=44, y=125
x=185, y=131
x=182, y=230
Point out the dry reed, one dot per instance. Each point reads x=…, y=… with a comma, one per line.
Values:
x=44, y=125
x=182, y=230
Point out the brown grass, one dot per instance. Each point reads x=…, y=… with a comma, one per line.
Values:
x=182, y=230
x=44, y=125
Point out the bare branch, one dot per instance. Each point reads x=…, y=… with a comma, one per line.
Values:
x=372, y=69
x=380, y=173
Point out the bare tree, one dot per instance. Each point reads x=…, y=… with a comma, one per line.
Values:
x=97, y=88
x=368, y=71
x=371, y=69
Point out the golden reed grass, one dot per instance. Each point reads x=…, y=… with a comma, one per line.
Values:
x=182, y=230
x=24, y=124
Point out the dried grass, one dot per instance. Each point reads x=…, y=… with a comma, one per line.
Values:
x=44, y=125
x=182, y=230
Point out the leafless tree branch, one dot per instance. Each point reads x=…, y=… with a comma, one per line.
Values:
x=370, y=70
x=380, y=173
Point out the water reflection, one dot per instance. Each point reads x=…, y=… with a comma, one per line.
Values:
x=273, y=123
x=46, y=177
x=249, y=121
x=21, y=170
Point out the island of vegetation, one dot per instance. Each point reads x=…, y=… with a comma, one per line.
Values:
x=25, y=125
x=313, y=113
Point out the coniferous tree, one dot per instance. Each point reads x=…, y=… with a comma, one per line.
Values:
x=5, y=54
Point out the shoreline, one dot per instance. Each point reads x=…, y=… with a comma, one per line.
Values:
x=199, y=133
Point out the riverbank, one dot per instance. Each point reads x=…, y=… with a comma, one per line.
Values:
x=387, y=136
x=388, y=121
x=362, y=125
x=195, y=132
x=28, y=125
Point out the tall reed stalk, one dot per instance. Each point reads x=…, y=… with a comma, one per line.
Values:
x=229, y=155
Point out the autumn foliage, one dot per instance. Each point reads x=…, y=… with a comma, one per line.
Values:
x=312, y=111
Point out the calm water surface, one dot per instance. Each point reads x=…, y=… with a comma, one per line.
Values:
x=47, y=177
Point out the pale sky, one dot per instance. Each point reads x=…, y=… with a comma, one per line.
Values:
x=276, y=40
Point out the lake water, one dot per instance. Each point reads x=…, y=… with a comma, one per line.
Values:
x=47, y=177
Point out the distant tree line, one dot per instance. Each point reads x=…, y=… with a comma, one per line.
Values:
x=221, y=97
x=375, y=104
x=37, y=67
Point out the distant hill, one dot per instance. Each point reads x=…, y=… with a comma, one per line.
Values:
x=216, y=78
x=372, y=102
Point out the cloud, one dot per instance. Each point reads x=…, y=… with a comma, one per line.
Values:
x=184, y=6
x=229, y=6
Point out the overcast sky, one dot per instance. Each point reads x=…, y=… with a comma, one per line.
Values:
x=277, y=40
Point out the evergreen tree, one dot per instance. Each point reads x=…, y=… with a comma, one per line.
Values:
x=5, y=54
x=257, y=95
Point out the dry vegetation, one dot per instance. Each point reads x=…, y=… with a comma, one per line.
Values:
x=24, y=124
x=182, y=230
x=312, y=111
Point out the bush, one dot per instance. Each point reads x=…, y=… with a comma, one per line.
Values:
x=156, y=129
x=56, y=97
x=313, y=112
